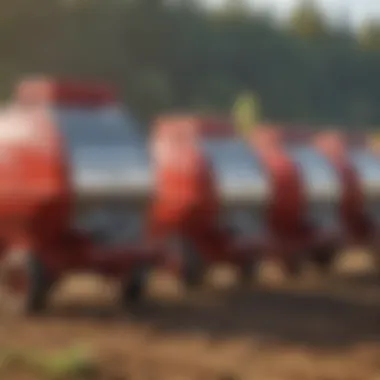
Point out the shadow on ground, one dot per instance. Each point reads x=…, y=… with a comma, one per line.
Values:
x=316, y=318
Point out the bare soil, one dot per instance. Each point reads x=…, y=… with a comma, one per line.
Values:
x=306, y=329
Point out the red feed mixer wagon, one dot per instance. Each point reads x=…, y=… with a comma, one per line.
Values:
x=75, y=183
x=301, y=214
x=210, y=193
x=359, y=172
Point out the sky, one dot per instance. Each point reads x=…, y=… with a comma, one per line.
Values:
x=354, y=11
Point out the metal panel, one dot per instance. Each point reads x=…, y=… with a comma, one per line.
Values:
x=243, y=185
x=111, y=172
x=106, y=156
x=368, y=168
x=240, y=176
x=321, y=181
x=322, y=186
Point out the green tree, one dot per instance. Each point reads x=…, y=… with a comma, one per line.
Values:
x=307, y=21
x=167, y=54
x=369, y=36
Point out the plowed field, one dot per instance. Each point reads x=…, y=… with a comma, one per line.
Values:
x=308, y=329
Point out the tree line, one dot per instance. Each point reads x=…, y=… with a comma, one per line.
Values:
x=178, y=55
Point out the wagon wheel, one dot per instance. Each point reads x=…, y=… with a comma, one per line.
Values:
x=193, y=267
x=133, y=286
x=292, y=266
x=24, y=284
x=249, y=271
x=323, y=259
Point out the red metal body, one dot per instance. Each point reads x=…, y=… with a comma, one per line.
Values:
x=357, y=225
x=36, y=202
x=186, y=201
x=293, y=237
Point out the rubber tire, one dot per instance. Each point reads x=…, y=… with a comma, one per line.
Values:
x=34, y=300
x=193, y=273
x=40, y=286
x=323, y=260
x=133, y=288
x=248, y=273
x=292, y=267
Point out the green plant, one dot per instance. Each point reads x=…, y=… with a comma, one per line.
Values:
x=74, y=363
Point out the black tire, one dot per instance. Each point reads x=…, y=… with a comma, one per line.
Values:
x=292, y=266
x=40, y=286
x=133, y=288
x=248, y=273
x=193, y=268
x=34, y=299
x=323, y=260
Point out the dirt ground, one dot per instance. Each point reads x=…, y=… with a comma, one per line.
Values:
x=309, y=329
